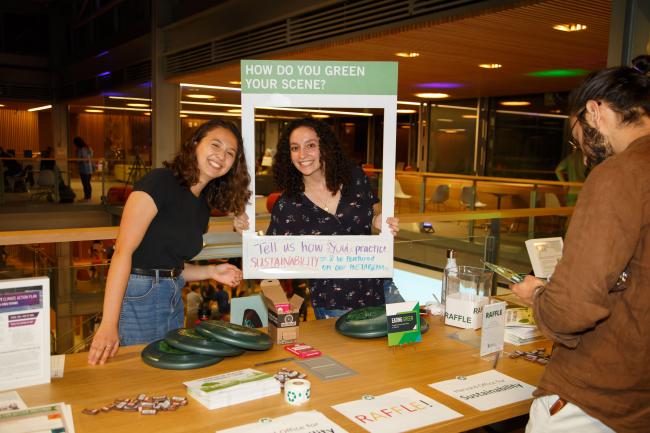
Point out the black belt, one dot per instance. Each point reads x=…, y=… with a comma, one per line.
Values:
x=162, y=273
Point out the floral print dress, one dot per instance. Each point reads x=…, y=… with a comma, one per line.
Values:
x=353, y=216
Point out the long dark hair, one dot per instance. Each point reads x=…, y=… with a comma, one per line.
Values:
x=337, y=167
x=228, y=193
x=626, y=89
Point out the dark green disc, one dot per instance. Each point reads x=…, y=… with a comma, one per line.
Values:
x=368, y=322
x=191, y=341
x=365, y=322
x=159, y=354
x=235, y=335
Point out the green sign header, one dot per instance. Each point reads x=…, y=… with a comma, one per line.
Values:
x=319, y=77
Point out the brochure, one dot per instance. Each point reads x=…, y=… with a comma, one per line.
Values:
x=24, y=332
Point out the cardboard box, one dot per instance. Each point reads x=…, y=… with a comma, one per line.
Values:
x=284, y=314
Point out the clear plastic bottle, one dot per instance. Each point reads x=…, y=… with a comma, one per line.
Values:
x=451, y=264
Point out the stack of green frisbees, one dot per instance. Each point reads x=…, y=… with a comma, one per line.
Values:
x=368, y=322
x=207, y=344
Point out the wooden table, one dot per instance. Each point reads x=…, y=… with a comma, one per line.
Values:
x=380, y=369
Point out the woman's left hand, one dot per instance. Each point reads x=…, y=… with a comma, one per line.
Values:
x=227, y=274
x=393, y=223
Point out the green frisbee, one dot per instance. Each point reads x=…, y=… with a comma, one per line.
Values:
x=159, y=354
x=235, y=335
x=365, y=322
x=368, y=322
x=189, y=340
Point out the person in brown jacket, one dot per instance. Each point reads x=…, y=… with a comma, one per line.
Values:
x=596, y=307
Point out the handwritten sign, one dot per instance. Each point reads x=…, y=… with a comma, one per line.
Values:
x=397, y=411
x=306, y=256
x=322, y=84
x=487, y=390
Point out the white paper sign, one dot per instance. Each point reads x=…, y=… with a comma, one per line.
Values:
x=322, y=84
x=544, y=255
x=303, y=422
x=464, y=311
x=397, y=411
x=24, y=332
x=494, y=328
x=279, y=257
x=487, y=390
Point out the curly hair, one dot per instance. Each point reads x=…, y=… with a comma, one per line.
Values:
x=337, y=167
x=228, y=193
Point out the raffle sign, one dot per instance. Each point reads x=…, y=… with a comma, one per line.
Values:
x=322, y=84
x=464, y=311
x=397, y=411
x=24, y=332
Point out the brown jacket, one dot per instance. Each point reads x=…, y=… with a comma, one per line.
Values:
x=602, y=361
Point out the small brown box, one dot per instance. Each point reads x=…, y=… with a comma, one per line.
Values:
x=284, y=317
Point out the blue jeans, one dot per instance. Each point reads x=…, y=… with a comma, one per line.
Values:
x=151, y=307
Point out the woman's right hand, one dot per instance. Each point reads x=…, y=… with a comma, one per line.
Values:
x=105, y=344
x=241, y=222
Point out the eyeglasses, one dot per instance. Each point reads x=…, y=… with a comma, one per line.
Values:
x=575, y=145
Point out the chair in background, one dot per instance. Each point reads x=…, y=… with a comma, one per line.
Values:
x=399, y=193
x=466, y=196
x=551, y=200
x=46, y=185
x=440, y=196
x=271, y=199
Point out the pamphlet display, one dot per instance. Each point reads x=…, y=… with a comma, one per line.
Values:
x=307, y=422
x=397, y=411
x=487, y=390
x=403, y=320
x=544, y=254
x=233, y=387
x=322, y=84
x=48, y=418
x=24, y=332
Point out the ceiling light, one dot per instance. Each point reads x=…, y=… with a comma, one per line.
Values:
x=554, y=73
x=406, y=111
x=200, y=96
x=432, y=95
x=106, y=107
x=183, y=115
x=44, y=107
x=451, y=130
x=320, y=116
x=470, y=116
x=147, y=113
x=137, y=104
x=260, y=120
x=408, y=103
x=129, y=98
x=2, y=105
x=489, y=65
x=440, y=85
x=569, y=27
x=514, y=103
x=205, y=86
x=444, y=120
x=409, y=54
x=93, y=110
x=234, y=82
x=234, y=110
